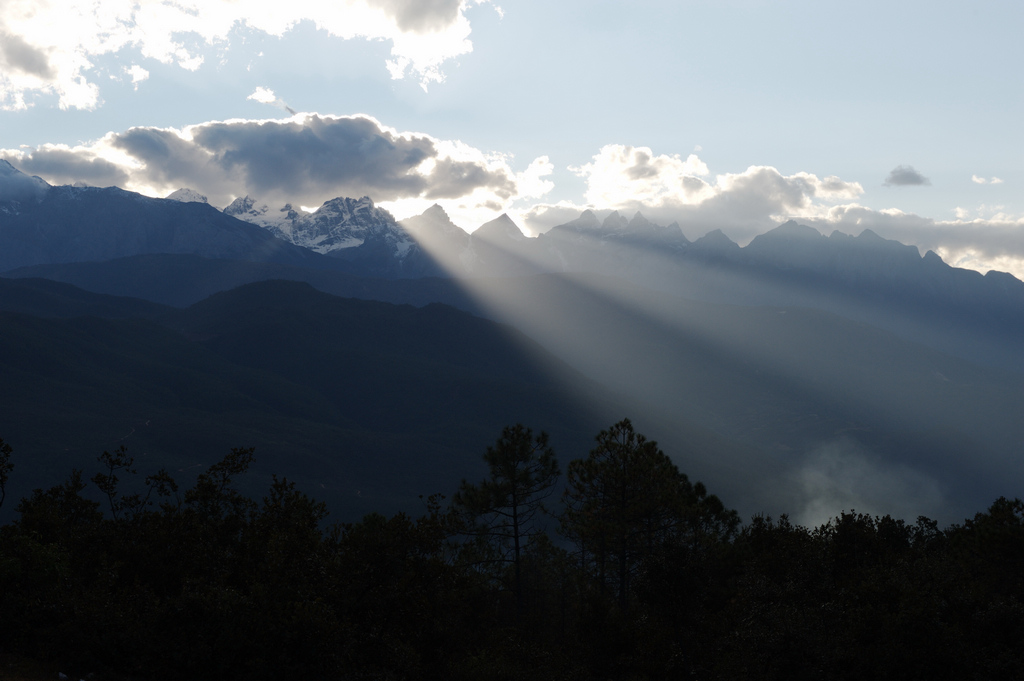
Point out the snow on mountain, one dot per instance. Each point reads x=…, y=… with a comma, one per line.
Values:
x=186, y=195
x=340, y=223
x=280, y=221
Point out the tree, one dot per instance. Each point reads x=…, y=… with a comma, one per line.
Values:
x=627, y=499
x=502, y=510
x=131, y=505
x=5, y=469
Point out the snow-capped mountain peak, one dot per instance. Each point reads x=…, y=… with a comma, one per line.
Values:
x=338, y=224
x=186, y=195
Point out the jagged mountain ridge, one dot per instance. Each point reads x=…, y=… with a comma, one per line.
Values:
x=364, y=236
x=337, y=224
x=862, y=277
x=40, y=224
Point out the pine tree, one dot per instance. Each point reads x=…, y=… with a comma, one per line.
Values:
x=626, y=500
x=503, y=511
x=5, y=468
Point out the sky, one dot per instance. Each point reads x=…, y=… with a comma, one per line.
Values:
x=904, y=118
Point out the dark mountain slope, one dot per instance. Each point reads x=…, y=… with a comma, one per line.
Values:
x=181, y=280
x=47, y=298
x=426, y=361
x=366, y=404
x=77, y=224
x=864, y=278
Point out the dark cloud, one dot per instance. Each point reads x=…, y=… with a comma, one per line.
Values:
x=64, y=166
x=305, y=160
x=20, y=56
x=905, y=176
x=421, y=15
x=451, y=179
x=318, y=155
x=172, y=160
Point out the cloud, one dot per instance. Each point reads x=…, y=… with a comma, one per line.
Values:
x=905, y=176
x=137, y=73
x=842, y=476
x=419, y=16
x=620, y=174
x=981, y=180
x=17, y=55
x=49, y=46
x=531, y=182
x=306, y=159
x=667, y=188
x=993, y=242
x=64, y=165
x=266, y=96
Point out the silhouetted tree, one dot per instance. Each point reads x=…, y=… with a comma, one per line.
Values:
x=5, y=468
x=628, y=498
x=502, y=510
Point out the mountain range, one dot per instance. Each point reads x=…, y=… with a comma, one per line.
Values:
x=818, y=370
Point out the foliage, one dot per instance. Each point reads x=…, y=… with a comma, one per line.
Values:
x=5, y=468
x=502, y=513
x=626, y=500
x=210, y=584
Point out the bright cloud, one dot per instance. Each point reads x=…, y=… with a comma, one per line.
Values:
x=620, y=174
x=670, y=188
x=266, y=96
x=137, y=73
x=263, y=95
x=48, y=46
x=531, y=181
x=982, y=180
x=984, y=243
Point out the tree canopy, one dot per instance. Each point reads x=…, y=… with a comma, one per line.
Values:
x=651, y=577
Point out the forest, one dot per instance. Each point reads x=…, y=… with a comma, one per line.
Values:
x=618, y=567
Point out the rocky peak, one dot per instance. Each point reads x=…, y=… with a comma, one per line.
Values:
x=614, y=222
x=716, y=241
x=243, y=204
x=186, y=195
x=639, y=222
x=501, y=228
